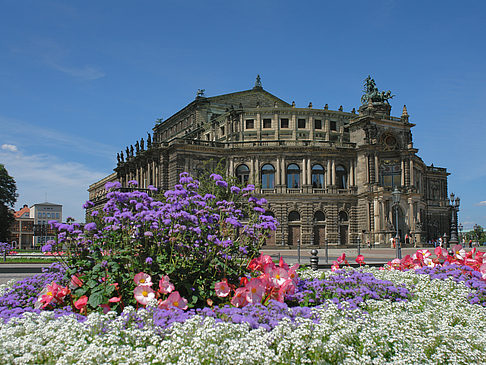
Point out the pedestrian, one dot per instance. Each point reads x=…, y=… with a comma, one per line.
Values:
x=369, y=244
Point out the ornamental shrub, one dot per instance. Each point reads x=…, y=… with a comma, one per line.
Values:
x=195, y=240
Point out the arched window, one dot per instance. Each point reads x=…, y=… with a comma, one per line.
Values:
x=343, y=216
x=319, y=216
x=268, y=177
x=317, y=177
x=341, y=177
x=243, y=174
x=294, y=216
x=293, y=176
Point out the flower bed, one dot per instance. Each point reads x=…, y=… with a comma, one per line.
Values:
x=179, y=280
x=437, y=324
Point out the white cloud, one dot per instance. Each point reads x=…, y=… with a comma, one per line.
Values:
x=42, y=178
x=9, y=147
x=85, y=73
x=482, y=203
x=30, y=134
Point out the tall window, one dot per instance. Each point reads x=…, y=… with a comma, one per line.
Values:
x=293, y=176
x=343, y=216
x=268, y=177
x=301, y=123
x=294, y=216
x=391, y=173
x=250, y=124
x=333, y=125
x=341, y=177
x=267, y=123
x=243, y=174
x=317, y=124
x=284, y=123
x=319, y=216
x=317, y=177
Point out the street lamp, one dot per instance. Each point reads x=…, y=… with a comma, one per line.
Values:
x=478, y=231
x=460, y=227
x=396, y=202
x=454, y=204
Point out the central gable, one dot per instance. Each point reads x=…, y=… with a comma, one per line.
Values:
x=249, y=99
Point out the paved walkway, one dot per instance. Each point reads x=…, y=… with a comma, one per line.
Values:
x=373, y=255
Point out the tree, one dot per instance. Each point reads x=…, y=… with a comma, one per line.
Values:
x=8, y=197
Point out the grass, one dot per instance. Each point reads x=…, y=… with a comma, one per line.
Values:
x=28, y=260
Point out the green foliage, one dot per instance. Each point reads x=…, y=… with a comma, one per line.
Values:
x=8, y=197
x=191, y=236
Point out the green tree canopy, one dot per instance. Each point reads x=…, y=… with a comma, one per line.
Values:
x=8, y=197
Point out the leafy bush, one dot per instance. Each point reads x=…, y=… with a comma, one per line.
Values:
x=195, y=240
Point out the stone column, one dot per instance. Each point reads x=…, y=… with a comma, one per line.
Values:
x=311, y=122
x=377, y=171
x=328, y=173
x=282, y=174
x=277, y=126
x=411, y=216
x=412, y=180
x=304, y=172
x=259, y=126
x=293, y=125
x=351, y=174
x=277, y=173
x=309, y=172
x=403, y=172
x=333, y=168
x=242, y=128
x=257, y=171
x=376, y=213
x=231, y=167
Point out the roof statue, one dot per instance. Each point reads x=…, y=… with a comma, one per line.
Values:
x=372, y=94
x=258, y=83
x=200, y=93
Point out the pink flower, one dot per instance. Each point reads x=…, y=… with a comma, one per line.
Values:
x=293, y=273
x=459, y=252
x=106, y=308
x=360, y=260
x=165, y=286
x=283, y=264
x=143, y=279
x=222, y=288
x=239, y=299
x=76, y=282
x=341, y=258
x=255, y=290
x=143, y=293
x=174, y=300
x=278, y=276
x=81, y=302
x=287, y=287
x=114, y=300
x=52, y=293
x=335, y=266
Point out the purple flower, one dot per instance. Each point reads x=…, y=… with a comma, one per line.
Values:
x=148, y=234
x=133, y=182
x=222, y=183
x=47, y=247
x=88, y=204
x=149, y=260
x=216, y=177
x=235, y=189
x=90, y=226
x=112, y=185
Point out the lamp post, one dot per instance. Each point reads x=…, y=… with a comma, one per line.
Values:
x=396, y=202
x=478, y=231
x=460, y=227
x=454, y=204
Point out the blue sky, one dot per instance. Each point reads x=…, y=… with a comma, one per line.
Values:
x=82, y=80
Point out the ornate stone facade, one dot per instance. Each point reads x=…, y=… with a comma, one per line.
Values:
x=326, y=174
